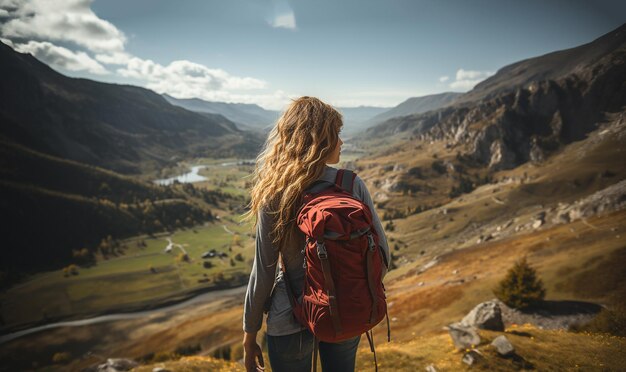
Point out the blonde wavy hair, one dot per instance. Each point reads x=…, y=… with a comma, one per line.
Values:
x=293, y=157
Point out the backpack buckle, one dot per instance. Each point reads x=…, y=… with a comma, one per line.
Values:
x=321, y=250
x=370, y=240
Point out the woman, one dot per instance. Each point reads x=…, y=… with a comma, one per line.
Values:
x=304, y=140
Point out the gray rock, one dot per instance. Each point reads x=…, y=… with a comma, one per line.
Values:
x=503, y=346
x=536, y=152
x=463, y=336
x=470, y=357
x=431, y=368
x=486, y=315
x=609, y=199
x=160, y=369
x=501, y=156
x=117, y=364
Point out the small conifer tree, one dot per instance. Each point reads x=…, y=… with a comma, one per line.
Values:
x=521, y=288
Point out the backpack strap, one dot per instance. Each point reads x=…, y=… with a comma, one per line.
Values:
x=370, y=338
x=370, y=276
x=315, y=348
x=318, y=186
x=290, y=293
x=329, y=285
x=345, y=179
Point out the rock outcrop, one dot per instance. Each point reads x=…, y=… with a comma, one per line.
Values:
x=486, y=315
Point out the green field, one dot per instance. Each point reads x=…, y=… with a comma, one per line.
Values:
x=127, y=280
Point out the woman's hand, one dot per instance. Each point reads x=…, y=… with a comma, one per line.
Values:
x=252, y=354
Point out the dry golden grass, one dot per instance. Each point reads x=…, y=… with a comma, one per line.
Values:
x=545, y=350
x=194, y=364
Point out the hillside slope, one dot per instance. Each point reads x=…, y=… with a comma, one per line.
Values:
x=119, y=127
x=57, y=206
x=551, y=66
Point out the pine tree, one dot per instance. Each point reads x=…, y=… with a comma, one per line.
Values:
x=521, y=288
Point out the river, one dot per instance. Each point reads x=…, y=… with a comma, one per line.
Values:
x=193, y=176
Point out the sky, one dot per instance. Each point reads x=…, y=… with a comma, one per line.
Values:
x=346, y=52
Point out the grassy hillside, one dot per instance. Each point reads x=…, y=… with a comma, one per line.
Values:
x=58, y=207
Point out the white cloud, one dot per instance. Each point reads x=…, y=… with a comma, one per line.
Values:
x=186, y=75
x=4, y=13
x=33, y=26
x=7, y=42
x=9, y=4
x=185, y=79
x=63, y=20
x=115, y=58
x=60, y=57
x=286, y=20
x=467, y=79
x=443, y=79
x=282, y=15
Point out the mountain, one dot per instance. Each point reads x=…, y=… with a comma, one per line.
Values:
x=355, y=118
x=254, y=117
x=416, y=105
x=549, y=67
x=246, y=116
x=63, y=142
x=528, y=109
x=119, y=127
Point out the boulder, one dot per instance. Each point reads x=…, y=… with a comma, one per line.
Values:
x=470, y=357
x=503, y=346
x=463, y=336
x=117, y=364
x=399, y=167
x=486, y=315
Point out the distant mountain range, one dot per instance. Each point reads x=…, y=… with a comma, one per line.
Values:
x=415, y=105
x=356, y=119
x=246, y=116
x=119, y=127
x=254, y=117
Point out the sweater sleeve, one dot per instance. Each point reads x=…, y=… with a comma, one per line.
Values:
x=361, y=190
x=262, y=275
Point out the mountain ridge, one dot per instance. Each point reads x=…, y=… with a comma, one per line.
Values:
x=416, y=105
x=246, y=115
x=525, y=123
x=110, y=125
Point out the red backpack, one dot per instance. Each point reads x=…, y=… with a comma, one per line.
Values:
x=343, y=291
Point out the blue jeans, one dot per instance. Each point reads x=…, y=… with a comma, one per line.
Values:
x=294, y=353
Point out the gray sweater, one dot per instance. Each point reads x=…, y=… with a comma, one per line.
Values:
x=266, y=271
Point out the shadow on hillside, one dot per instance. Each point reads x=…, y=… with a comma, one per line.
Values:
x=563, y=307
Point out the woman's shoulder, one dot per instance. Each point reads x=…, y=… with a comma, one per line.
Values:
x=330, y=174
